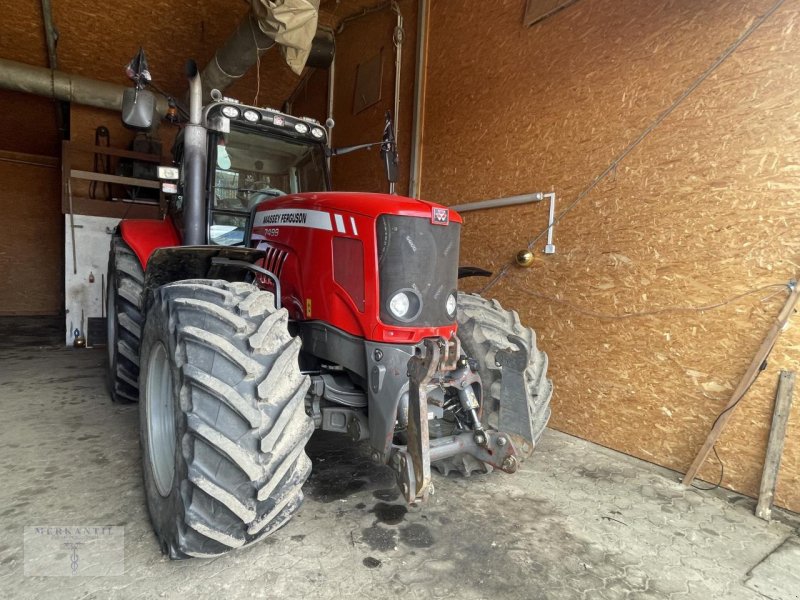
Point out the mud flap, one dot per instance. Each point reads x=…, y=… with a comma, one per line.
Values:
x=514, y=417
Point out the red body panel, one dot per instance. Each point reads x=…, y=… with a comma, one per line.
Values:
x=144, y=236
x=298, y=232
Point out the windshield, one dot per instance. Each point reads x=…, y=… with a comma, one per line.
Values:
x=252, y=167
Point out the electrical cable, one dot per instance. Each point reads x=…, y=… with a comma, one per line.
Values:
x=761, y=369
x=667, y=309
x=649, y=129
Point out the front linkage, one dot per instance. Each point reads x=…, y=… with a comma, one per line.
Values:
x=439, y=363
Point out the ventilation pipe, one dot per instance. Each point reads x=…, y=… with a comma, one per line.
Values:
x=19, y=77
x=244, y=48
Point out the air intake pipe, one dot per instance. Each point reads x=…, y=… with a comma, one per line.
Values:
x=195, y=156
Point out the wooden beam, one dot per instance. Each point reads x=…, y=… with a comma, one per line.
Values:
x=777, y=435
x=36, y=160
x=111, y=151
x=118, y=210
x=747, y=379
x=135, y=181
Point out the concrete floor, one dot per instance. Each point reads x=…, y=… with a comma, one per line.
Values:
x=579, y=522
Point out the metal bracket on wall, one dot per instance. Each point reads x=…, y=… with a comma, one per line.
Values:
x=514, y=200
x=550, y=248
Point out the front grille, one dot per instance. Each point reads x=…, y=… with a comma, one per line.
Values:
x=413, y=253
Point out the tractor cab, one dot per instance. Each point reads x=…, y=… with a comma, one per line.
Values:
x=253, y=154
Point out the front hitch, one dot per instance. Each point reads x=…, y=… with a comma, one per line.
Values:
x=438, y=362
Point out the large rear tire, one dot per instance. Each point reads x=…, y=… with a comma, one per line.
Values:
x=223, y=422
x=484, y=327
x=124, y=320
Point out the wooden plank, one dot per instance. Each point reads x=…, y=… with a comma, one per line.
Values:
x=118, y=210
x=777, y=436
x=135, y=181
x=93, y=149
x=744, y=384
x=36, y=160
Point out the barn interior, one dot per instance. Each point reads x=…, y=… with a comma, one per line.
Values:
x=643, y=166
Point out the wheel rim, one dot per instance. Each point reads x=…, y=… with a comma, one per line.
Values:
x=111, y=320
x=160, y=419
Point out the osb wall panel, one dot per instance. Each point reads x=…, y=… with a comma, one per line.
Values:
x=360, y=40
x=31, y=239
x=704, y=209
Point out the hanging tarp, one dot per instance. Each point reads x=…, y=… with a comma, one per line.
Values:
x=292, y=23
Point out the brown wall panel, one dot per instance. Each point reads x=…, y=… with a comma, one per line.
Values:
x=360, y=40
x=28, y=124
x=31, y=236
x=703, y=209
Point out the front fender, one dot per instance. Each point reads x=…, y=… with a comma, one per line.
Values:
x=145, y=236
x=167, y=265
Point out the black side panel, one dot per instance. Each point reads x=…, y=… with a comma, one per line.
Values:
x=178, y=263
x=333, y=345
x=413, y=253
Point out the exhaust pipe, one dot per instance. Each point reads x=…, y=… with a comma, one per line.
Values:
x=195, y=156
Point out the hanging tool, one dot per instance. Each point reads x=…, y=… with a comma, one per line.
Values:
x=72, y=229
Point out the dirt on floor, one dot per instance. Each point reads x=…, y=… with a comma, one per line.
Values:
x=578, y=521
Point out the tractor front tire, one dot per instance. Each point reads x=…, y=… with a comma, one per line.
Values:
x=124, y=320
x=222, y=416
x=484, y=327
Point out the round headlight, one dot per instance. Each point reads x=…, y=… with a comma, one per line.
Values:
x=230, y=111
x=301, y=128
x=318, y=132
x=451, y=306
x=251, y=116
x=399, y=304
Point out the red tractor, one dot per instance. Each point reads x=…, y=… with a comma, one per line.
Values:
x=265, y=306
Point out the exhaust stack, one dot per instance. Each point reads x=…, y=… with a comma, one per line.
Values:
x=195, y=156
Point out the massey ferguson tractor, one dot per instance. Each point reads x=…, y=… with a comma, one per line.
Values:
x=265, y=306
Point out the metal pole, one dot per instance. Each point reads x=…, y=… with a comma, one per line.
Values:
x=397, y=38
x=419, y=98
x=499, y=202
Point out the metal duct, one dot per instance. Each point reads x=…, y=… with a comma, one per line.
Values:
x=19, y=77
x=246, y=46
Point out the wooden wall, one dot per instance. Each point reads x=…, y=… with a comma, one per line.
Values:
x=31, y=235
x=703, y=209
x=360, y=40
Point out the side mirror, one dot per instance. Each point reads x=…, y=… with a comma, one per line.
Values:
x=389, y=149
x=138, y=108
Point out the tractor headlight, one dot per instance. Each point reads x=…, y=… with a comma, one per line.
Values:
x=399, y=304
x=230, y=111
x=451, y=305
x=405, y=305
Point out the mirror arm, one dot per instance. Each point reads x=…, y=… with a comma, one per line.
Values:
x=349, y=149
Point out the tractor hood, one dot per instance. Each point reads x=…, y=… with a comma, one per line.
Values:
x=366, y=204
